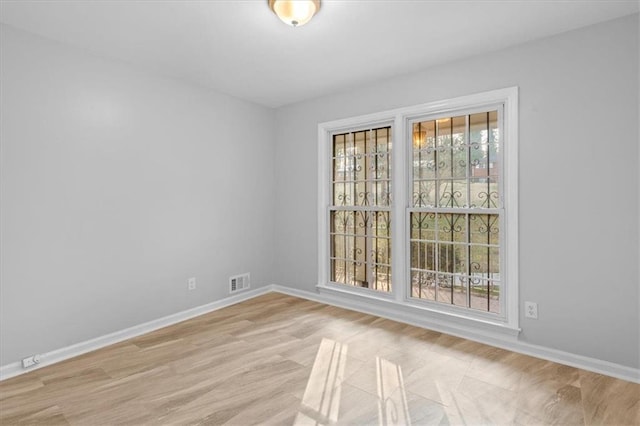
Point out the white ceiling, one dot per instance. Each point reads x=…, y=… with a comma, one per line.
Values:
x=241, y=48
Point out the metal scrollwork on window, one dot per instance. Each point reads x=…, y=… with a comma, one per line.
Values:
x=344, y=199
x=452, y=223
x=356, y=254
x=421, y=199
x=450, y=198
x=364, y=219
x=360, y=240
x=490, y=198
x=365, y=198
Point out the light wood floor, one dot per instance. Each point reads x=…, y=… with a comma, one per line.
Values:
x=281, y=360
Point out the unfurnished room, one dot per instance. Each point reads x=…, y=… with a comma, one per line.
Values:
x=319, y=212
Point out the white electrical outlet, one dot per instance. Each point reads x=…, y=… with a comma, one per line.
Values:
x=531, y=310
x=191, y=283
x=29, y=361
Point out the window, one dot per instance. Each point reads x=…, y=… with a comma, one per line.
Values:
x=418, y=207
x=360, y=246
x=457, y=210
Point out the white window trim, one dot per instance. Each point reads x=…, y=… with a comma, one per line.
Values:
x=401, y=134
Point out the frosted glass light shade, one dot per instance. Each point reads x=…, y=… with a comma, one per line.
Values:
x=295, y=12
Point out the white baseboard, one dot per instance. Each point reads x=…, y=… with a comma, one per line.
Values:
x=48, y=358
x=578, y=361
x=505, y=342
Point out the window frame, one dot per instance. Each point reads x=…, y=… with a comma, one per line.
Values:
x=325, y=203
x=368, y=209
x=500, y=211
x=400, y=121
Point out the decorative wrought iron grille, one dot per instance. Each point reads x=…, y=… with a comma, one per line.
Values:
x=457, y=211
x=360, y=230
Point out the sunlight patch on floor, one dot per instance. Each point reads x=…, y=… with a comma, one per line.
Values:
x=392, y=398
x=321, y=400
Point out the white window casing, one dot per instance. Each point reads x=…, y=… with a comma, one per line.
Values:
x=505, y=101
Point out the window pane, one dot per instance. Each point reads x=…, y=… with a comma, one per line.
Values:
x=424, y=164
x=349, y=193
x=484, y=193
x=338, y=169
x=494, y=297
x=415, y=219
x=338, y=271
x=382, y=193
x=452, y=193
x=361, y=218
x=424, y=193
x=460, y=296
x=360, y=248
x=423, y=226
x=443, y=293
x=485, y=295
x=424, y=135
x=361, y=275
x=349, y=248
x=359, y=139
x=494, y=263
x=380, y=166
x=337, y=246
x=416, y=284
x=485, y=262
x=459, y=131
x=479, y=292
x=337, y=222
x=381, y=251
x=484, y=228
x=338, y=145
x=362, y=196
x=445, y=258
x=383, y=140
x=460, y=259
x=452, y=227
x=416, y=255
x=338, y=194
x=478, y=126
x=423, y=255
x=360, y=167
x=428, y=226
x=444, y=159
x=381, y=223
x=451, y=163
x=459, y=162
x=443, y=132
x=382, y=278
x=423, y=285
x=350, y=273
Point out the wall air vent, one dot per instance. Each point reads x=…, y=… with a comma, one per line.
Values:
x=239, y=283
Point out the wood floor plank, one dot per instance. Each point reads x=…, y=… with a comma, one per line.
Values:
x=281, y=360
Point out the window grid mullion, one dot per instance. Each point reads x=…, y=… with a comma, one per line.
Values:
x=452, y=195
x=467, y=139
x=436, y=253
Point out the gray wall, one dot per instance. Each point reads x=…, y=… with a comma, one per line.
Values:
x=117, y=186
x=578, y=178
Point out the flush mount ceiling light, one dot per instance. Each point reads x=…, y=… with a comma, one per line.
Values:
x=295, y=12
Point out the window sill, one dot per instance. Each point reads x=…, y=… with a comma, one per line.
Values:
x=384, y=305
